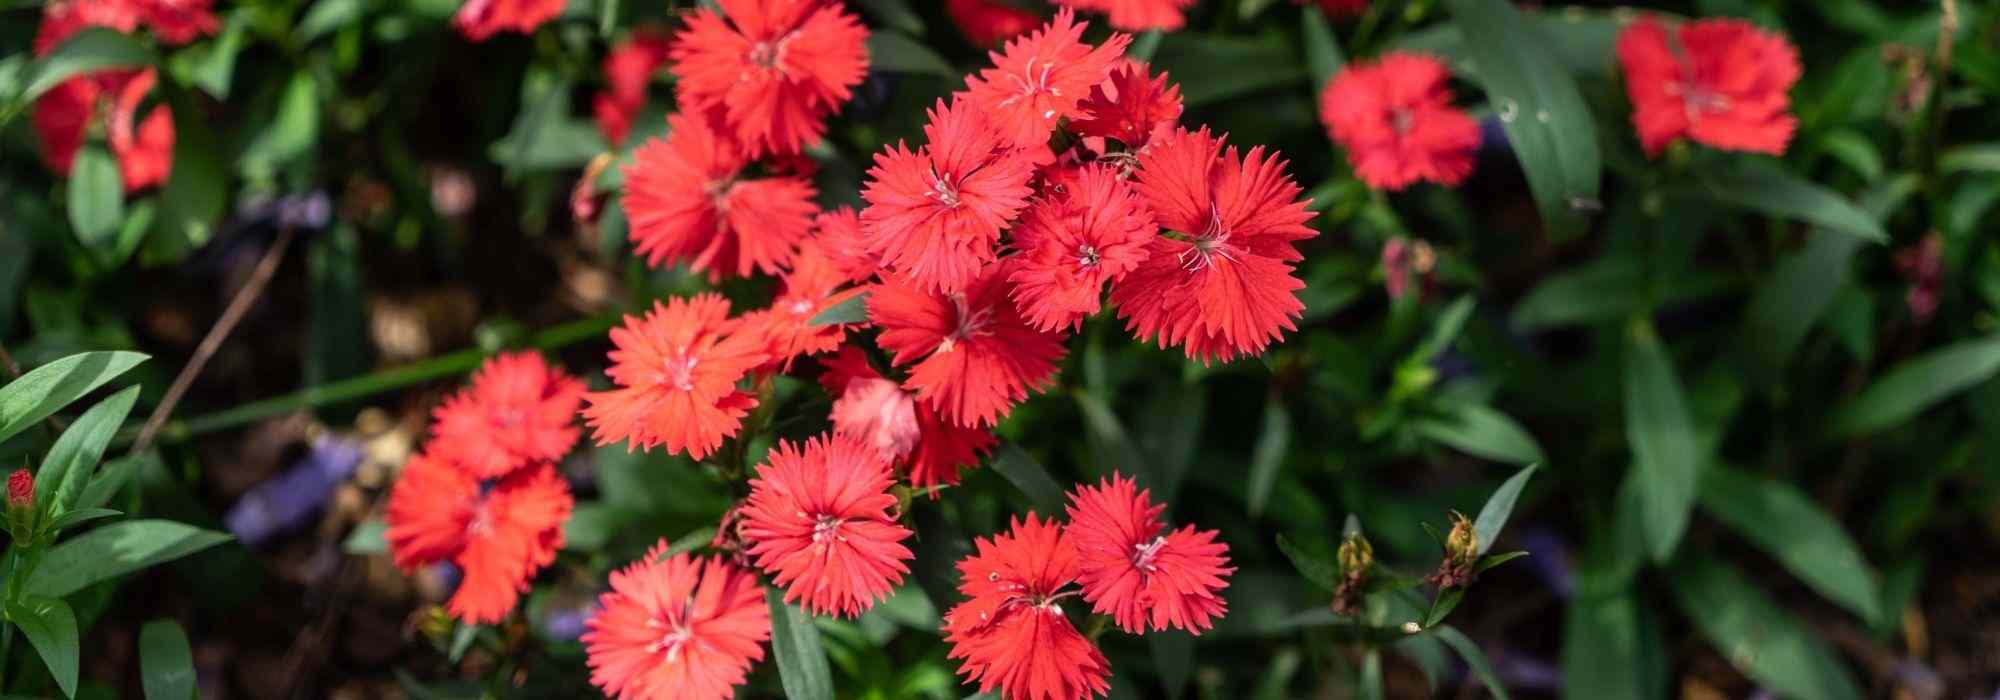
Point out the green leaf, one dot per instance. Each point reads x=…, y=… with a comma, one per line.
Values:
x=1905, y=391
x=1173, y=655
x=369, y=537
x=1449, y=324
x=48, y=388
x=1778, y=193
x=96, y=202
x=115, y=550
x=1170, y=430
x=1025, y=473
x=1612, y=287
x=1493, y=560
x=1854, y=150
x=1267, y=457
x=91, y=50
x=111, y=477
x=196, y=191
x=212, y=66
x=74, y=457
x=51, y=628
x=1323, y=51
x=80, y=516
x=462, y=638
x=1785, y=523
x=1972, y=157
x=898, y=53
x=1665, y=454
x=854, y=310
x=795, y=642
x=1544, y=114
x=1493, y=516
x=327, y=16
x=1474, y=659
x=1209, y=67
x=290, y=133
x=1756, y=635
x=1441, y=606
x=1145, y=45
x=1609, y=650
x=1249, y=9
x=1369, y=685
x=895, y=14
x=166, y=664
x=1321, y=571
x=1481, y=431
x=1113, y=446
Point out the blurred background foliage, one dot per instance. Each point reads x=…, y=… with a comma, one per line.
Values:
x=1761, y=390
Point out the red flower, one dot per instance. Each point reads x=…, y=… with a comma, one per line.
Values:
x=1224, y=287
x=145, y=150
x=1011, y=633
x=518, y=411
x=688, y=201
x=811, y=288
x=974, y=356
x=173, y=22
x=499, y=532
x=628, y=68
x=1394, y=117
x=481, y=19
x=934, y=216
x=1092, y=230
x=1338, y=8
x=1042, y=77
x=821, y=525
x=1721, y=82
x=986, y=23
x=911, y=433
x=1132, y=569
x=177, y=22
x=774, y=69
x=677, y=627
x=676, y=372
x=1138, y=15
x=20, y=491
x=1131, y=108
x=838, y=236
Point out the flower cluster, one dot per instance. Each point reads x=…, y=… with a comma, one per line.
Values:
x=1012, y=633
x=485, y=493
x=110, y=102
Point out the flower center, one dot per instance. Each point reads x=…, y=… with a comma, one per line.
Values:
x=1402, y=119
x=1699, y=100
x=970, y=323
x=672, y=640
x=1030, y=83
x=767, y=54
x=1087, y=256
x=943, y=189
x=679, y=369
x=1144, y=553
x=1211, y=243
x=827, y=528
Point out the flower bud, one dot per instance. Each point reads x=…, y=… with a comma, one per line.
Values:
x=1462, y=545
x=20, y=490
x=1356, y=556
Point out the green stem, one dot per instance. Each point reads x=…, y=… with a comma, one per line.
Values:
x=455, y=363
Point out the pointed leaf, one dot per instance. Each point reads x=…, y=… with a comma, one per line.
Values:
x=795, y=642
x=853, y=310
x=1775, y=192
x=115, y=550
x=1323, y=56
x=1905, y=391
x=166, y=664
x=1026, y=473
x=1112, y=445
x=1665, y=453
x=1173, y=655
x=80, y=516
x=895, y=14
x=1319, y=570
x=48, y=388
x=1267, y=457
x=112, y=477
x=96, y=203
x=51, y=627
x=369, y=537
x=91, y=50
x=71, y=461
x=1610, y=651
x=1785, y=523
x=1474, y=659
x=1481, y=431
x=1499, y=506
x=1756, y=635
x=895, y=52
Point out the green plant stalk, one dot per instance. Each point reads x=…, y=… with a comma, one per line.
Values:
x=455, y=363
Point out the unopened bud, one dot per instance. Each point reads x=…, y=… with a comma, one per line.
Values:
x=1356, y=555
x=1463, y=543
x=20, y=490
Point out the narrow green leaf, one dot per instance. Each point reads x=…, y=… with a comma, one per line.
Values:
x=895, y=14
x=462, y=638
x=1249, y=9
x=166, y=664
x=96, y=197
x=1606, y=289
x=1321, y=571
x=1450, y=323
x=1209, y=67
x=369, y=537
x=1610, y=650
x=326, y=16
x=1493, y=516
x=1267, y=457
x=112, y=477
x=1760, y=638
x=48, y=388
x=1173, y=655
x=1025, y=473
x=1474, y=659
x=898, y=53
x=1170, y=430
x=1112, y=445
x=1785, y=523
x=80, y=516
x=1972, y=157
x=1853, y=149
x=91, y=50
x=854, y=310
x=1370, y=685
x=1493, y=560
x=607, y=17
x=1543, y=113
x=212, y=66
x=795, y=642
x=1323, y=51
x=1145, y=45
x=115, y=550
x=1665, y=454
x=59, y=484
x=1916, y=384
x=51, y=627
x=1442, y=606
x=1481, y=431
x=197, y=188
x=1778, y=193
x=291, y=132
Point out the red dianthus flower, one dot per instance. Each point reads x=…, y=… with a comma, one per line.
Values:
x=1038, y=79
x=1395, y=120
x=812, y=287
x=837, y=233
x=1338, y=8
x=676, y=372
x=1222, y=285
x=479, y=20
x=1011, y=634
x=1138, y=15
x=678, y=627
x=930, y=449
x=518, y=411
x=1721, y=82
x=820, y=522
x=1136, y=571
x=934, y=216
x=628, y=68
x=1131, y=107
x=144, y=147
x=773, y=69
x=173, y=22
x=974, y=356
x=688, y=201
x=986, y=23
x=1072, y=242
x=499, y=532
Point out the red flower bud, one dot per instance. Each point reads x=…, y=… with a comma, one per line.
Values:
x=20, y=489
